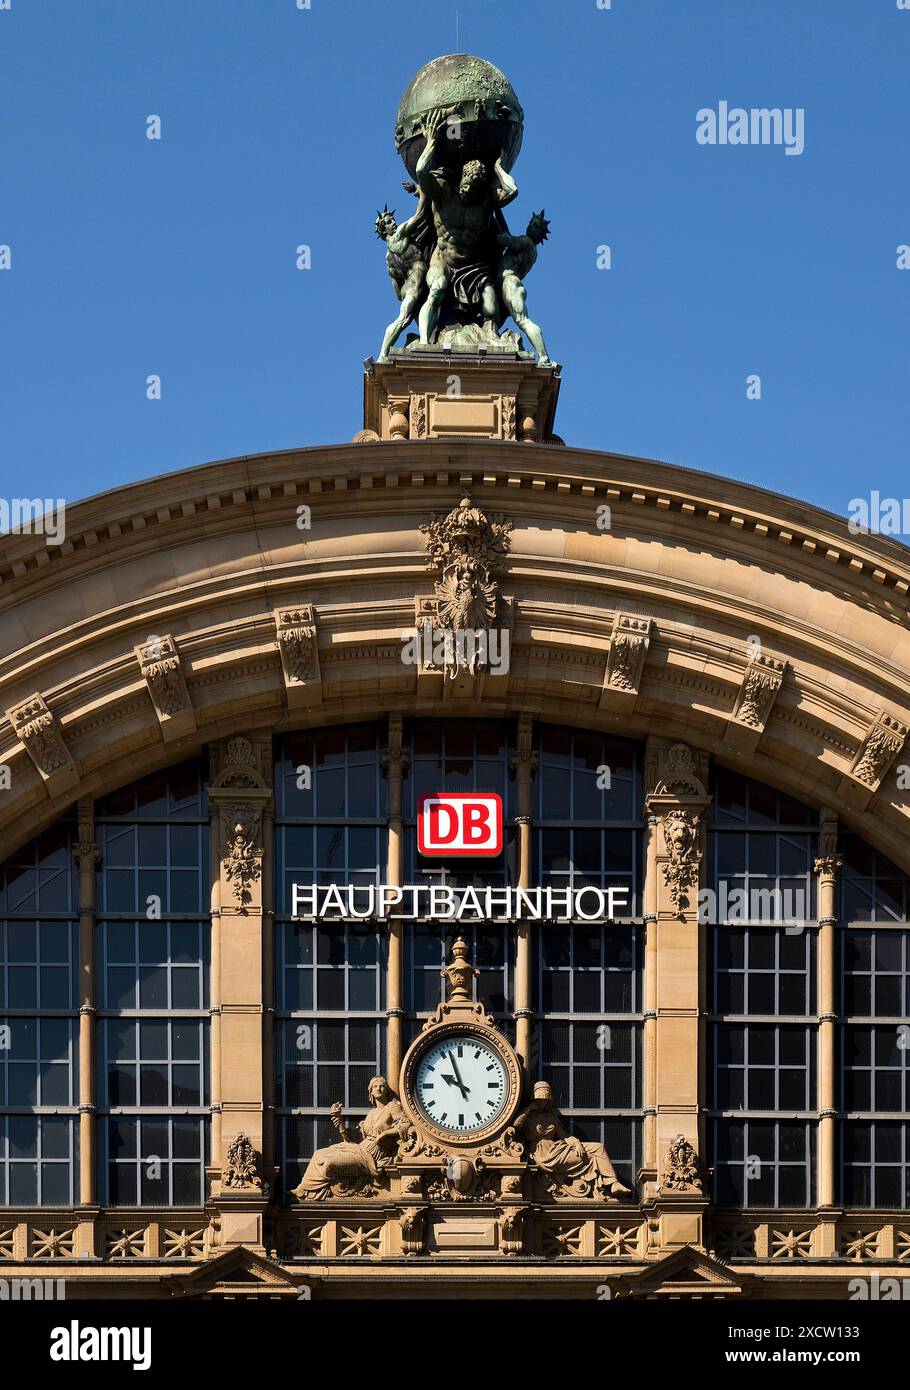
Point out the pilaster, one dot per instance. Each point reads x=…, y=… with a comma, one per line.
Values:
x=675, y=985
x=827, y=867
x=524, y=765
x=240, y=802
x=395, y=764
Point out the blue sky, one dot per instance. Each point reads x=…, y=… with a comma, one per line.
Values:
x=177, y=257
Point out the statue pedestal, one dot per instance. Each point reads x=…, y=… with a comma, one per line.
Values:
x=433, y=394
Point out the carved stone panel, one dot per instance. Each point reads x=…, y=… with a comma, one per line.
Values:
x=38, y=731
x=626, y=660
x=162, y=671
x=299, y=651
x=762, y=679
x=872, y=762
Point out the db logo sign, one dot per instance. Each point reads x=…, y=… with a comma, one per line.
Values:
x=465, y=823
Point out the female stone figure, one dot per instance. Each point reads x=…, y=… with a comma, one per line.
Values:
x=354, y=1165
x=574, y=1168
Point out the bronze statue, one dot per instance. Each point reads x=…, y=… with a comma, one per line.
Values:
x=406, y=261
x=519, y=255
x=454, y=264
x=352, y=1165
x=570, y=1166
x=464, y=256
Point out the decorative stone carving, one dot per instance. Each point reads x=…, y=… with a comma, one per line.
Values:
x=243, y=1167
x=419, y=416
x=680, y=775
x=508, y=1145
x=159, y=662
x=629, y=642
x=468, y=549
x=883, y=742
x=241, y=794
x=676, y=804
x=460, y=1179
x=568, y=1166
x=243, y=863
x=829, y=862
x=358, y=1166
x=299, y=652
x=762, y=679
x=680, y=870
x=681, y=1170
x=38, y=731
x=512, y=1229
x=412, y=1221
x=508, y=417
x=239, y=768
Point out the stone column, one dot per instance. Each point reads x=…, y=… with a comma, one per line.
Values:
x=649, y=1002
x=395, y=763
x=524, y=764
x=215, y=852
x=827, y=866
x=240, y=802
x=676, y=802
x=87, y=855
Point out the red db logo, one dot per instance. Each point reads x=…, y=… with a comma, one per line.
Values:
x=465, y=823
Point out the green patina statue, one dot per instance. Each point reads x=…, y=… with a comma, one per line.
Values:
x=456, y=268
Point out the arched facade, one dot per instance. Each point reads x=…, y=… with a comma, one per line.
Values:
x=738, y=663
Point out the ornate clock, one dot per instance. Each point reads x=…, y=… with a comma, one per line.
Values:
x=460, y=1079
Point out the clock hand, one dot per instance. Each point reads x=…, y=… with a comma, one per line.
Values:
x=461, y=1085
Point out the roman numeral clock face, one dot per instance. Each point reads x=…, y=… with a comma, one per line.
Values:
x=461, y=1084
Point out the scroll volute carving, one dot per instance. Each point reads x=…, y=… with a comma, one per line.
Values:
x=676, y=804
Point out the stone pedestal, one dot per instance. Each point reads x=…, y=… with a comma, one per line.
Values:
x=433, y=394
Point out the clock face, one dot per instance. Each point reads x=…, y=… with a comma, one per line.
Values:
x=461, y=1083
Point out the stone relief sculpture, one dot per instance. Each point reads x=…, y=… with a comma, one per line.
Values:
x=242, y=1166
x=571, y=1167
x=680, y=829
x=681, y=1173
x=468, y=547
x=355, y=1166
x=454, y=264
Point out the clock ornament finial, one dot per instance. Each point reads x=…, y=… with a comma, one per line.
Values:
x=459, y=972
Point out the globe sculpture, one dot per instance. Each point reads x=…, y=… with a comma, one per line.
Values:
x=490, y=119
x=456, y=268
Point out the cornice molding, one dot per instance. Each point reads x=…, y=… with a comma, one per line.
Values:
x=221, y=496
